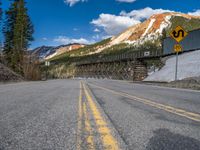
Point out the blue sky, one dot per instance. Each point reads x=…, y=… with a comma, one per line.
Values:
x=59, y=22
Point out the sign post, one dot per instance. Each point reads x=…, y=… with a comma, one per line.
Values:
x=47, y=64
x=178, y=34
x=177, y=49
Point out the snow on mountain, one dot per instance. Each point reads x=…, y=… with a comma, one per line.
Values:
x=43, y=51
x=47, y=52
x=65, y=49
x=188, y=66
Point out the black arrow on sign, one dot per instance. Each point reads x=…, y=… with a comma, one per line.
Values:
x=177, y=34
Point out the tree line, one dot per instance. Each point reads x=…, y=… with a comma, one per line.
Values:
x=18, y=33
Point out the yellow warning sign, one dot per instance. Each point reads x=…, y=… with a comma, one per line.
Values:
x=178, y=34
x=177, y=48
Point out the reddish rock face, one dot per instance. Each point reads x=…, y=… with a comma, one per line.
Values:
x=69, y=48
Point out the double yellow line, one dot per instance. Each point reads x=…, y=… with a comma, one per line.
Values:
x=177, y=111
x=83, y=113
x=107, y=139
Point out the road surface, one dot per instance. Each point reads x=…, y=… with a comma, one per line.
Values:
x=98, y=114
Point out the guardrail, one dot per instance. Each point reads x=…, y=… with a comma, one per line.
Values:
x=122, y=57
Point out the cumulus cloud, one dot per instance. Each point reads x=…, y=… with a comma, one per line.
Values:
x=195, y=13
x=67, y=40
x=144, y=13
x=73, y=2
x=114, y=24
x=126, y=1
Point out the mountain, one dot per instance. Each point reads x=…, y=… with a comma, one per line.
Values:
x=145, y=35
x=47, y=52
x=43, y=51
x=64, y=49
x=151, y=31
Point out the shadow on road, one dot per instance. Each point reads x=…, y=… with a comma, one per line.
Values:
x=163, y=139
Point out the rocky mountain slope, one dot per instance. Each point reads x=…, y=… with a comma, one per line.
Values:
x=47, y=52
x=8, y=75
x=63, y=49
x=43, y=51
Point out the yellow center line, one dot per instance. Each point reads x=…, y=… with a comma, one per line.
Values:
x=79, y=120
x=88, y=128
x=177, y=111
x=107, y=139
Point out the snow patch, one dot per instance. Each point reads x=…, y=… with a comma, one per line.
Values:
x=124, y=36
x=50, y=56
x=149, y=27
x=188, y=66
x=164, y=24
x=150, y=37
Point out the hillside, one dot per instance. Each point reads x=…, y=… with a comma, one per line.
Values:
x=81, y=52
x=64, y=49
x=8, y=75
x=148, y=34
x=43, y=51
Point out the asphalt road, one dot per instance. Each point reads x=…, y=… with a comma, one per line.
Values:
x=97, y=114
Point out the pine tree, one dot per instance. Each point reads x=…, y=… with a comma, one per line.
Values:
x=23, y=30
x=18, y=31
x=8, y=31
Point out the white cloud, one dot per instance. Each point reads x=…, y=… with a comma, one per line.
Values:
x=195, y=13
x=143, y=13
x=106, y=37
x=126, y=1
x=96, y=30
x=99, y=37
x=73, y=2
x=67, y=40
x=114, y=24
